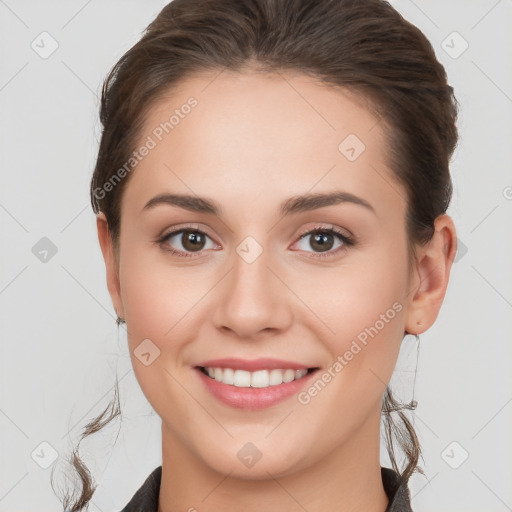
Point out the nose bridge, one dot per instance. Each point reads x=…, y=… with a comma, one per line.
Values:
x=253, y=299
x=250, y=267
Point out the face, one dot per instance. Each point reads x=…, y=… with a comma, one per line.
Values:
x=268, y=281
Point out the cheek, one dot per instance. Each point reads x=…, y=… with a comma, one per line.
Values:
x=159, y=305
x=362, y=312
x=364, y=307
x=157, y=298
x=352, y=297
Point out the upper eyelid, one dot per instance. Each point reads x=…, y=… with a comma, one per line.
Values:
x=316, y=227
x=329, y=227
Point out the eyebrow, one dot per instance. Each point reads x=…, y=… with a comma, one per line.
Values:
x=291, y=205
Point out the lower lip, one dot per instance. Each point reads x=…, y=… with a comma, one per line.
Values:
x=253, y=398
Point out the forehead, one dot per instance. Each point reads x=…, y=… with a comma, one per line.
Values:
x=252, y=135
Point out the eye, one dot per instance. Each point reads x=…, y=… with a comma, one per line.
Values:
x=323, y=239
x=189, y=240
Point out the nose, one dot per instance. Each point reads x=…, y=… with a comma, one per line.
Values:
x=253, y=300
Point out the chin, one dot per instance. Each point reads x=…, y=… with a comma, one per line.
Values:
x=258, y=460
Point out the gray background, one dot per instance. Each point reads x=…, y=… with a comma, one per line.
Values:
x=60, y=348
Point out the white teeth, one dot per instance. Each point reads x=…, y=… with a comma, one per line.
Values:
x=300, y=373
x=242, y=379
x=228, y=376
x=289, y=375
x=257, y=379
x=276, y=377
x=260, y=379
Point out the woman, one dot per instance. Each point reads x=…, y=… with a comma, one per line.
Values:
x=271, y=192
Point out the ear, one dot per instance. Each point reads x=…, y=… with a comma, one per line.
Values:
x=430, y=277
x=111, y=263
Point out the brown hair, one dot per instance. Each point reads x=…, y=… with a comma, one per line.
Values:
x=364, y=46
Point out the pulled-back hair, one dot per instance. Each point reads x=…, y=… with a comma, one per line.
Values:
x=364, y=46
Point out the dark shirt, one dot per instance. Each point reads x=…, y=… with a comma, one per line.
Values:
x=146, y=498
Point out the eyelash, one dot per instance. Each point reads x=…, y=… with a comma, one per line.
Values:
x=348, y=241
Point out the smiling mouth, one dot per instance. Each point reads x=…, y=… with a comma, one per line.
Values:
x=257, y=379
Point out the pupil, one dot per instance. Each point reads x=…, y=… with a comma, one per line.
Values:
x=322, y=240
x=194, y=239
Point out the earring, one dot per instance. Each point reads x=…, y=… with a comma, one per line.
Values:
x=119, y=320
x=413, y=403
x=395, y=405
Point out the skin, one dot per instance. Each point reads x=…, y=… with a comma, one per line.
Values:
x=253, y=141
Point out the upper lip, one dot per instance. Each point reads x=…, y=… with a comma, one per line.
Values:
x=252, y=365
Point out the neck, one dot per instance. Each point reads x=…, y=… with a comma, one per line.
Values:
x=347, y=479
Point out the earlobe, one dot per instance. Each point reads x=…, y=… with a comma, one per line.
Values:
x=431, y=276
x=111, y=265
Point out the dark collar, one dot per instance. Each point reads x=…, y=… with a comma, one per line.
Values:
x=146, y=498
x=397, y=491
